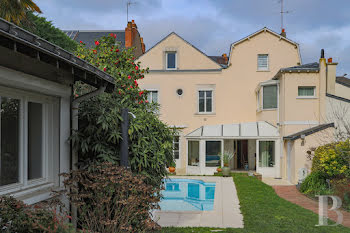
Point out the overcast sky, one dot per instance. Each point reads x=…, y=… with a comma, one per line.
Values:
x=212, y=25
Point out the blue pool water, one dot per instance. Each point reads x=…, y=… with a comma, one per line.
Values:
x=187, y=195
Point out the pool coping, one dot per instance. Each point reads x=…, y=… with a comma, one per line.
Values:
x=226, y=212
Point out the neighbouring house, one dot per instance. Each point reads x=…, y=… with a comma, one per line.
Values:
x=38, y=111
x=247, y=103
x=130, y=37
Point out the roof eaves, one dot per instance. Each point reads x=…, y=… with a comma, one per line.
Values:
x=16, y=33
x=308, y=132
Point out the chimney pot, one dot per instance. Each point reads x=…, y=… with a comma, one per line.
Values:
x=322, y=53
x=330, y=60
x=283, y=33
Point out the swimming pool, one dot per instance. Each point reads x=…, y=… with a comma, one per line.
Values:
x=187, y=195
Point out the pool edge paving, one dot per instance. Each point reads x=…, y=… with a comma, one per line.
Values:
x=226, y=211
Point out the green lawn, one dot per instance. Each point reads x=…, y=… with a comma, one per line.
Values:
x=264, y=211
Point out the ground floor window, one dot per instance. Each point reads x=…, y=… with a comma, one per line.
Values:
x=266, y=153
x=212, y=153
x=9, y=125
x=176, y=147
x=193, y=153
x=26, y=122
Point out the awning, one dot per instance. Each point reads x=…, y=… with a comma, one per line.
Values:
x=260, y=129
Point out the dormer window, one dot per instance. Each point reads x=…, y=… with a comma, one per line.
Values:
x=170, y=60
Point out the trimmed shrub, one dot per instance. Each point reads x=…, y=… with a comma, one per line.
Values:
x=15, y=216
x=315, y=184
x=112, y=199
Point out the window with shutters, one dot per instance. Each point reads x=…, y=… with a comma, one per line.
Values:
x=263, y=62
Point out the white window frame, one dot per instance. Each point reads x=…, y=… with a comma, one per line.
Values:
x=262, y=97
x=306, y=96
x=150, y=91
x=25, y=97
x=205, y=103
x=174, y=142
x=267, y=62
x=166, y=60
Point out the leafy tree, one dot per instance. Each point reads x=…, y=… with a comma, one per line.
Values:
x=45, y=29
x=16, y=10
x=99, y=135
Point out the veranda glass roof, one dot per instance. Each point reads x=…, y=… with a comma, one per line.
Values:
x=259, y=129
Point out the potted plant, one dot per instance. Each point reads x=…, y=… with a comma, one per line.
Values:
x=227, y=156
x=219, y=169
x=171, y=169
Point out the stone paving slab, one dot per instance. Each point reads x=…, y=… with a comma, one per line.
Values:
x=226, y=212
x=292, y=194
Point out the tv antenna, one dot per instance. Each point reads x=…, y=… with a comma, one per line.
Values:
x=128, y=4
x=282, y=13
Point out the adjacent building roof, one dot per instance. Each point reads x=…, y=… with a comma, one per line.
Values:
x=15, y=39
x=89, y=36
x=219, y=59
x=258, y=129
x=303, y=68
x=343, y=81
x=309, y=131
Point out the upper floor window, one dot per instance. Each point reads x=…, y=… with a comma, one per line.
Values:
x=270, y=97
x=152, y=96
x=205, y=101
x=263, y=62
x=170, y=60
x=306, y=91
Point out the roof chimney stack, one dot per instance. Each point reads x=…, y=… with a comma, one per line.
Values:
x=322, y=53
x=283, y=33
x=224, y=56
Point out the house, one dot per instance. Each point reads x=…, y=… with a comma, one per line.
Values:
x=38, y=111
x=130, y=37
x=248, y=103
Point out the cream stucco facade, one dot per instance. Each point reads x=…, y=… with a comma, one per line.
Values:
x=235, y=91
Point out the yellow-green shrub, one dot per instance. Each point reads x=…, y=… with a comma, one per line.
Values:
x=332, y=160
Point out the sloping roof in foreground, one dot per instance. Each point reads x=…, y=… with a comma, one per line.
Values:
x=310, y=66
x=237, y=130
x=343, y=81
x=309, y=131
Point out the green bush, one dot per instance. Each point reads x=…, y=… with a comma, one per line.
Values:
x=315, y=184
x=332, y=160
x=15, y=216
x=112, y=199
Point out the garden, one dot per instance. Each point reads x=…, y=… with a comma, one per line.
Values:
x=330, y=172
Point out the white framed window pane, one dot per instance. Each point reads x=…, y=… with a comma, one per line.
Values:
x=263, y=61
x=266, y=153
x=201, y=94
x=306, y=91
x=208, y=94
x=212, y=153
x=193, y=153
x=176, y=147
x=209, y=105
x=270, y=97
x=154, y=96
x=171, y=60
x=201, y=105
x=35, y=140
x=9, y=157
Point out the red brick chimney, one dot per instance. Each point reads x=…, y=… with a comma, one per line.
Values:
x=224, y=56
x=143, y=46
x=130, y=34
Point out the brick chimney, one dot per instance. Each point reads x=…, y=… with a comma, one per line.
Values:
x=143, y=46
x=283, y=33
x=130, y=34
x=224, y=56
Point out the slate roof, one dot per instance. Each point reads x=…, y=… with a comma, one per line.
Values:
x=309, y=131
x=219, y=59
x=310, y=66
x=89, y=36
x=343, y=81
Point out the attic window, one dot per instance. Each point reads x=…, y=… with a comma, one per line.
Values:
x=263, y=62
x=170, y=60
